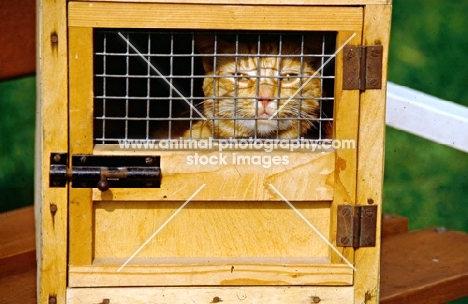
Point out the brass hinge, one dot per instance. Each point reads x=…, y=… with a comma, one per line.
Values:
x=356, y=226
x=362, y=67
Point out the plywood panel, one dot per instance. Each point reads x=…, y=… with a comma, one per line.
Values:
x=210, y=229
x=299, y=176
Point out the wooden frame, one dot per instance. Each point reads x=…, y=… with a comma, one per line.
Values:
x=341, y=166
x=51, y=205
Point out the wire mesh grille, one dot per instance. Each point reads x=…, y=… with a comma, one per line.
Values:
x=172, y=85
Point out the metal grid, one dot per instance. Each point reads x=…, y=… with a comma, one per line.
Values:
x=148, y=84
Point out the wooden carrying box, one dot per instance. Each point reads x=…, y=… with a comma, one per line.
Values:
x=131, y=209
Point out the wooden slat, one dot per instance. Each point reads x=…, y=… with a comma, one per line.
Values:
x=51, y=136
x=213, y=273
x=19, y=287
x=427, y=266
x=81, y=142
x=223, y=295
x=81, y=90
x=371, y=153
x=18, y=38
x=17, y=256
x=17, y=239
x=346, y=128
x=262, y=2
x=204, y=16
x=17, y=252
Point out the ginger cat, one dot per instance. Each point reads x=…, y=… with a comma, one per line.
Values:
x=243, y=93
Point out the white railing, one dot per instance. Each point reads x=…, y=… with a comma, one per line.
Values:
x=429, y=117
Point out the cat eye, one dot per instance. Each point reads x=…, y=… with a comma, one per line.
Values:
x=289, y=77
x=241, y=77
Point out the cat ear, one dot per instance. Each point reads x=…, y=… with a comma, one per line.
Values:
x=206, y=45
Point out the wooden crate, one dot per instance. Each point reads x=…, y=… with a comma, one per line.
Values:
x=221, y=231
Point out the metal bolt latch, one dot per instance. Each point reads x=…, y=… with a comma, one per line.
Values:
x=104, y=172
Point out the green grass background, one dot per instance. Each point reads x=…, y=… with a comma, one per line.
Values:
x=17, y=116
x=424, y=181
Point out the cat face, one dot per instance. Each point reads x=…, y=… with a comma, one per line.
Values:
x=262, y=96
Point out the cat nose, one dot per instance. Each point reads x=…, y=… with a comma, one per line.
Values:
x=265, y=94
x=264, y=101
